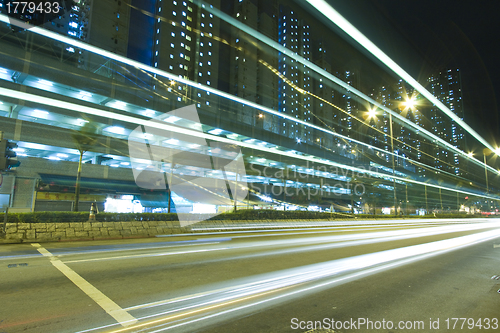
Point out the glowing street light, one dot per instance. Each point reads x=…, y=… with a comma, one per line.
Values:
x=410, y=103
x=372, y=113
x=488, y=152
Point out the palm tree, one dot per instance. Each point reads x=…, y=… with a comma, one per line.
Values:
x=84, y=139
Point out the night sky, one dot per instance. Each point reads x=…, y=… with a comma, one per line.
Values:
x=425, y=36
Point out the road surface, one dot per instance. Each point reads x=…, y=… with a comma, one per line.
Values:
x=373, y=276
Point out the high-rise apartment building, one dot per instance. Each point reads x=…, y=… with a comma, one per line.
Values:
x=251, y=63
x=294, y=34
x=446, y=87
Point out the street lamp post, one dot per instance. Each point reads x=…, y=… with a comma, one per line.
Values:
x=426, y=205
x=393, y=168
x=406, y=206
x=371, y=114
x=485, y=152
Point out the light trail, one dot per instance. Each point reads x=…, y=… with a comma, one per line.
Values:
x=332, y=15
x=345, y=138
x=84, y=46
x=308, y=229
x=146, y=255
x=164, y=126
x=302, y=279
x=289, y=53
x=322, y=225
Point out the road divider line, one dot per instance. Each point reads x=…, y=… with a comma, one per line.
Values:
x=111, y=308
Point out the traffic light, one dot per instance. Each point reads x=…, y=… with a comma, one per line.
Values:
x=6, y=155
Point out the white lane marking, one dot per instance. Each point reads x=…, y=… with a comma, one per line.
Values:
x=147, y=255
x=496, y=245
x=113, y=309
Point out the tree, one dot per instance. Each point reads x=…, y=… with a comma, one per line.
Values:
x=84, y=139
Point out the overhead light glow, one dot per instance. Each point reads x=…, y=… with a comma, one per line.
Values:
x=115, y=129
x=85, y=94
x=45, y=82
x=81, y=122
x=171, y=141
x=171, y=119
x=215, y=131
x=40, y=113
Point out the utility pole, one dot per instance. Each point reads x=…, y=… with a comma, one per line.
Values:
x=426, y=206
x=441, y=199
x=486, y=173
x=235, y=191
x=393, y=168
x=407, y=199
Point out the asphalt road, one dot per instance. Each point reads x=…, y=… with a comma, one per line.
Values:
x=366, y=277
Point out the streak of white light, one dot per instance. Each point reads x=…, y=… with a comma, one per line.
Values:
x=262, y=38
x=366, y=263
x=367, y=238
x=331, y=14
x=133, y=256
x=320, y=243
x=321, y=224
x=106, y=250
x=161, y=125
x=127, y=61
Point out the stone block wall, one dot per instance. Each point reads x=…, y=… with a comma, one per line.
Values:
x=36, y=232
x=89, y=230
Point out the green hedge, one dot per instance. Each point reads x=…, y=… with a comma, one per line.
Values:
x=276, y=215
x=239, y=215
x=84, y=217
